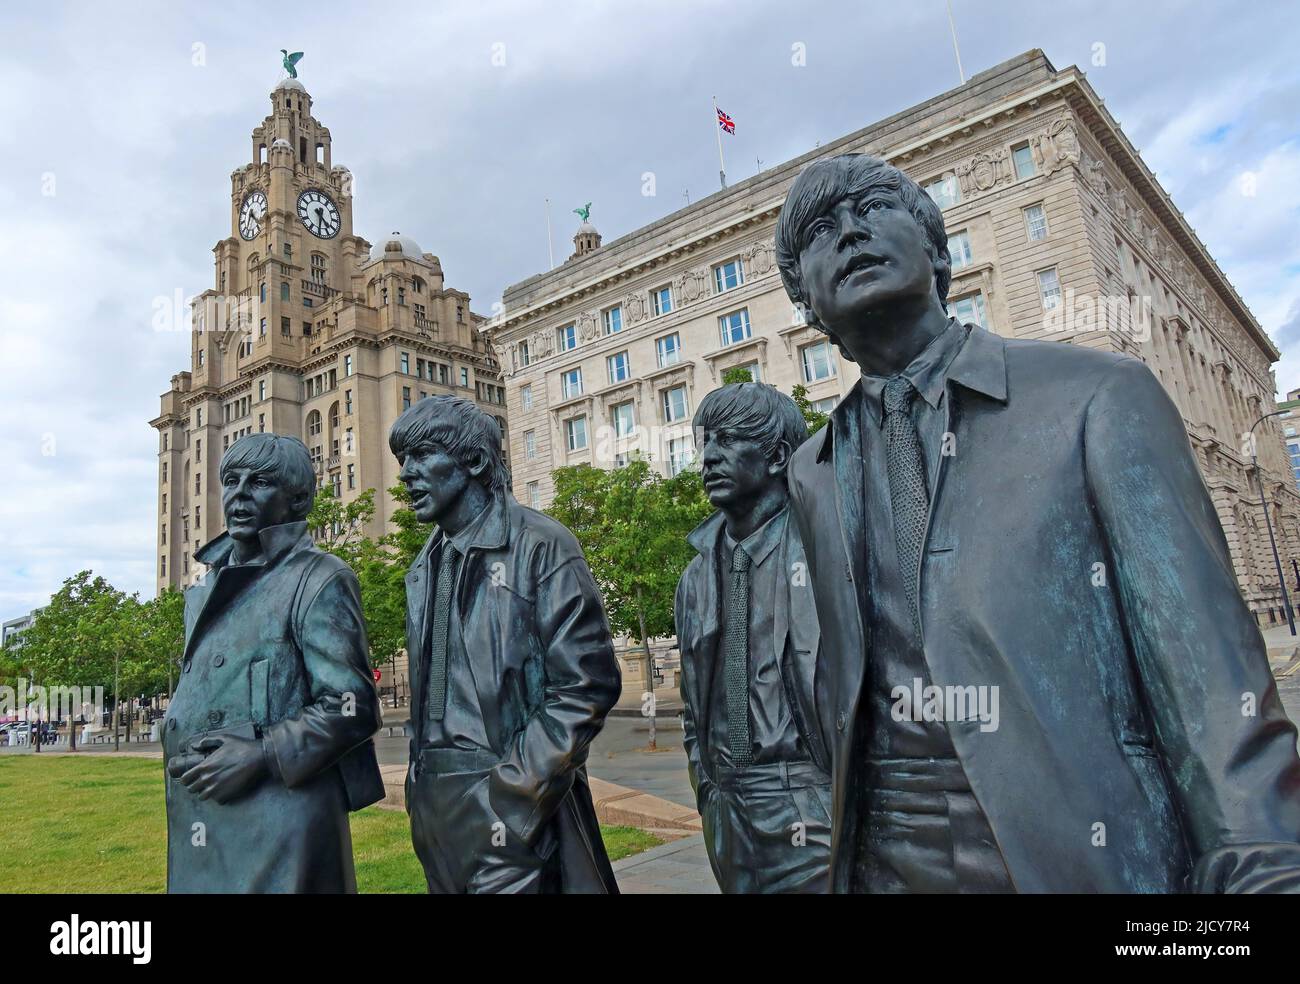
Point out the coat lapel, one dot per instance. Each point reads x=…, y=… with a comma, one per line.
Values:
x=417, y=598
x=705, y=539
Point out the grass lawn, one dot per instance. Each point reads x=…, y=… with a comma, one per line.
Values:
x=94, y=823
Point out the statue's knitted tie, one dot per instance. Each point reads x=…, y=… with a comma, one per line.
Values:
x=907, y=489
x=737, y=654
x=437, y=689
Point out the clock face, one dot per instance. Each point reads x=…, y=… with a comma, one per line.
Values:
x=319, y=214
x=252, y=214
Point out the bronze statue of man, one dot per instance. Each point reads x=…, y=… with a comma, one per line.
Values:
x=268, y=738
x=747, y=630
x=1039, y=672
x=512, y=671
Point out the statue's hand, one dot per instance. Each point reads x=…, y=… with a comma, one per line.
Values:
x=232, y=767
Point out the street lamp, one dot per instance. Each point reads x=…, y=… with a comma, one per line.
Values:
x=1259, y=478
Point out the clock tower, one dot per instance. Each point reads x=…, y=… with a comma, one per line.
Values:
x=309, y=331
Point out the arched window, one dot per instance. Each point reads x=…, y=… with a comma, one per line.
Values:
x=313, y=423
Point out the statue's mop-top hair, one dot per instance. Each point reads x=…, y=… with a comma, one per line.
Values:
x=459, y=428
x=824, y=183
x=754, y=412
x=284, y=458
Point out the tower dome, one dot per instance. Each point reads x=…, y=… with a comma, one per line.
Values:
x=396, y=245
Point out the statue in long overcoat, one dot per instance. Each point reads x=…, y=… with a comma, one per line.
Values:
x=268, y=738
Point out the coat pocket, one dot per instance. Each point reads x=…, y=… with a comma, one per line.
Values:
x=258, y=686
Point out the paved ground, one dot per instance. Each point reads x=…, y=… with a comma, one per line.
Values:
x=680, y=867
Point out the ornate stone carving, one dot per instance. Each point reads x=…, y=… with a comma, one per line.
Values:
x=692, y=285
x=762, y=258
x=587, y=322
x=634, y=307
x=1057, y=146
x=983, y=171
x=540, y=344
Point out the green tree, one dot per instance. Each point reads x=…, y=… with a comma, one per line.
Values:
x=632, y=524
x=339, y=527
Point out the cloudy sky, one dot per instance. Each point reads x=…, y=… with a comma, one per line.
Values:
x=122, y=123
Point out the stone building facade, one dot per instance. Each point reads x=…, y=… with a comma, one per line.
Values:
x=309, y=330
x=1057, y=229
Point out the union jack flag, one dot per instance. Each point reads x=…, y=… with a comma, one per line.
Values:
x=726, y=122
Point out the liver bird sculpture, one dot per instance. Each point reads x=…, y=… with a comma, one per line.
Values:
x=584, y=212
x=290, y=61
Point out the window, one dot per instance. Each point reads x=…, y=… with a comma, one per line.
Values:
x=818, y=362
x=1049, y=288
x=406, y=363
x=571, y=382
x=318, y=268
x=401, y=295
x=460, y=312
x=286, y=327
x=728, y=276
x=526, y=396
x=530, y=445
x=969, y=310
x=618, y=367
x=198, y=417
x=347, y=402
x=284, y=290
x=623, y=419
x=576, y=432
x=164, y=534
x=945, y=191
x=534, y=496
x=1024, y=161
x=261, y=390
x=1036, y=222
x=261, y=423
x=313, y=423
x=383, y=295
x=198, y=483
x=349, y=443
x=735, y=327
x=261, y=292
x=164, y=472
x=567, y=337
x=674, y=402
x=523, y=353
x=681, y=450
x=825, y=406
x=261, y=330
x=959, y=249
x=464, y=377
x=306, y=329
x=661, y=300
x=200, y=358
x=406, y=398
x=288, y=250
x=352, y=476
x=347, y=365
x=613, y=320
x=162, y=566
x=668, y=349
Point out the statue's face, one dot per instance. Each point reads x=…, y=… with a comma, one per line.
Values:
x=435, y=480
x=862, y=254
x=253, y=500
x=734, y=469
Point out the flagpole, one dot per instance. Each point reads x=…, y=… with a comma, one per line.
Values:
x=550, y=247
x=955, y=50
x=717, y=128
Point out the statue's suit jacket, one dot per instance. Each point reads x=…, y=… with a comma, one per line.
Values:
x=281, y=647
x=544, y=669
x=1074, y=560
